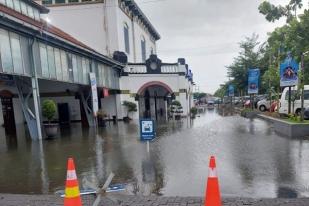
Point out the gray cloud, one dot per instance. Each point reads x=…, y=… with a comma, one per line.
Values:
x=206, y=33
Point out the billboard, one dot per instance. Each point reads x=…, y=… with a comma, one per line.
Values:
x=231, y=90
x=289, y=72
x=253, y=81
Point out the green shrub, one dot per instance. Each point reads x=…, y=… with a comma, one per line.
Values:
x=193, y=111
x=49, y=109
x=131, y=107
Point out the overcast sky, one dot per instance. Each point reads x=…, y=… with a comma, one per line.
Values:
x=206, y=33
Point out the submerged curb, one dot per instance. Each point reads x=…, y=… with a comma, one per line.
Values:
x=128, y=200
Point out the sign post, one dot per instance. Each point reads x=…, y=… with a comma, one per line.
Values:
x=147, y=131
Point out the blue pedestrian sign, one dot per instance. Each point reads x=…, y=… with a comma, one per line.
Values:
x=147, y=129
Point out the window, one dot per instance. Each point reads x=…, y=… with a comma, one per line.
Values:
x=5, y=49
x=126, y=38
x=16, y=54
x=74, y=67
x=294, y=95
x=70, y=66
x=23, y=7
x=17, y=5
x=64, y=64
x=73, y=1
x=9, y=4
x=46, y=2
x=306, y=94
x=44, y=61
x=51, y=62
x=30, y=12
x=143, y=49
x=24, y=43
x=59, y=1
x=58, y=64
x=151, y=50
x=36, y=14
x=80, y=69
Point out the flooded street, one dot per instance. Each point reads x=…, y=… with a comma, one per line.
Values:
x=252, y=160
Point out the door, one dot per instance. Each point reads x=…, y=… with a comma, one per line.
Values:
x=8, y=114
x=64, y=114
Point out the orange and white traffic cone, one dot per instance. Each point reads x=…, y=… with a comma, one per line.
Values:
x=212, y=196
x=72, y=194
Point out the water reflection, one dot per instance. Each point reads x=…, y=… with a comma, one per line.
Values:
x=252, y=160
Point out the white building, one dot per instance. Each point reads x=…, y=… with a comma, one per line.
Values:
x=106, y=26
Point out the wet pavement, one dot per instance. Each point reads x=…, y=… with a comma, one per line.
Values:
x=252, y=160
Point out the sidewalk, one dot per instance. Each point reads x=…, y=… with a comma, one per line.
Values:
x=123, y=200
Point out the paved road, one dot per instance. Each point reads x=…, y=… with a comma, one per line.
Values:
x=123, y=200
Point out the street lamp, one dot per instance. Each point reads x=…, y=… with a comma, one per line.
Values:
x=302, y=84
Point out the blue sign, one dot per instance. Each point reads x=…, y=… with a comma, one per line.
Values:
x=147, y=129
x=289, y=72
x=253, y=81
x=231, y=90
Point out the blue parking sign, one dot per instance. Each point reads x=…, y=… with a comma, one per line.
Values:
x=147, y=129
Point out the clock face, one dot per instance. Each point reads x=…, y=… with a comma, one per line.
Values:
x=153, y=65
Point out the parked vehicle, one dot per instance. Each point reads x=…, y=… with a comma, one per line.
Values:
x=284, y=100
x=264, y=104
x=210, y=105
x=306, y=114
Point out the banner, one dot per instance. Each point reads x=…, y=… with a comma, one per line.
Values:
x=289, y=72
x=253, y=81
x=94, y=93
x=231, y=91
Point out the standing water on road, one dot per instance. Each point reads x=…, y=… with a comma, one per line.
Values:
x=252, y=161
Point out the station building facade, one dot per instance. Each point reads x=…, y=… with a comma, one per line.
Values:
x=40, y=61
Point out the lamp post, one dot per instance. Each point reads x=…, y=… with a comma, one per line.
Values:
x=302, y=84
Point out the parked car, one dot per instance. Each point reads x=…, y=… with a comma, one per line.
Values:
x=306, y=114
x=284, y=100
x=210, y=105
x=264, y=104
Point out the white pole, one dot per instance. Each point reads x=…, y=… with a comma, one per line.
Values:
x=148, y=147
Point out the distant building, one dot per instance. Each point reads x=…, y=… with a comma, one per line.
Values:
x=106, y=26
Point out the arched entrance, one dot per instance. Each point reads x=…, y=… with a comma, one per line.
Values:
x=8, y=111
x=154, y=100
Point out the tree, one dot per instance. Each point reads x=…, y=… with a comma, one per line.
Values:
x=273, y=13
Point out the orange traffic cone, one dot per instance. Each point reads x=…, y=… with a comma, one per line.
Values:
x=212, y=196
x=72, y=195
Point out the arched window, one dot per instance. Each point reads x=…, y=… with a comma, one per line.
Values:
x=126, y=38
x=143, y=48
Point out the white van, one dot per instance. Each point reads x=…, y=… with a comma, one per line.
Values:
x=284, y=101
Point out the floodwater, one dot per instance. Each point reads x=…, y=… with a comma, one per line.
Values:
x=252, y=161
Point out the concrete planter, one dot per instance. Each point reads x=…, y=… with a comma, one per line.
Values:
x=51, y=130
x=284, y=128
x=249, y=114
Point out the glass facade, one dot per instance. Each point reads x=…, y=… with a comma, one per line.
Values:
x=23, y=8
x=16, y=54
x=5, y=49
x=51, y=62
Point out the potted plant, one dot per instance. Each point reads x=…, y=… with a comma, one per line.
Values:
x=131, y=107
x=176, y=109
x=49, y=111
x=102, y=117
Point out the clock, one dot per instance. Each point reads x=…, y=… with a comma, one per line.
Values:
x=153, y=65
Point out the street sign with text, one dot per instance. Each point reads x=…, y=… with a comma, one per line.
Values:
x=147, y=129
